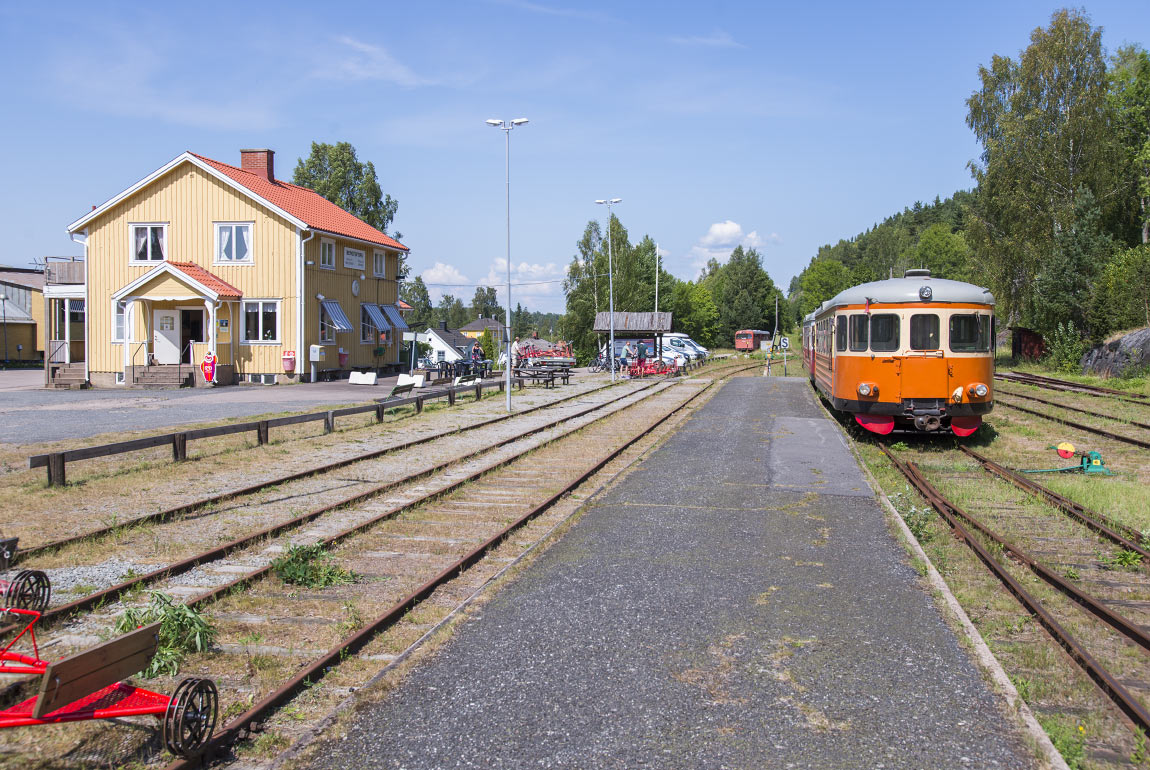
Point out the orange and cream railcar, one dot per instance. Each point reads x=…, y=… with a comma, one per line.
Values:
x=914, y=353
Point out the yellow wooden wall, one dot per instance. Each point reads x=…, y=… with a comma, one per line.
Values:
x=190, y=201
x=336, y=284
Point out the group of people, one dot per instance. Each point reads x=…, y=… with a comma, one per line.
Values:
x=631, y=352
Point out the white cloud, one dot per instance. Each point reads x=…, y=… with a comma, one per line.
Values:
x=536, y=286
x=363, y=61
x=443, y=279
x=552, y=10
x=716, y=39
x=721, y=239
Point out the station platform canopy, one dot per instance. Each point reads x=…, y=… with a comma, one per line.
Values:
x=634, y=324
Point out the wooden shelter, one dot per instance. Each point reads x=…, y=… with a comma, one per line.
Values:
x=636, y=326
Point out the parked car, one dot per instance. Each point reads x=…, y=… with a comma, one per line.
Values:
x=683, y=345
x=687, y=341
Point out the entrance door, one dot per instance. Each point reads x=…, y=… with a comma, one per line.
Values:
x=166, y=336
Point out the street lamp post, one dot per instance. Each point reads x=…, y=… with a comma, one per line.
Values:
x=506, y=126
x=610, y=282
x=4, y=306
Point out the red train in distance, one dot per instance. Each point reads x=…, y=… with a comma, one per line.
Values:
x=751, y=339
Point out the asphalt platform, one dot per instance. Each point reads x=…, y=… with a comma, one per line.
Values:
x=737, y=601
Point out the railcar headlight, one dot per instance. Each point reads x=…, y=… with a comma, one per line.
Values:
x=925, y=293
x=868, y=389
x=956, y=396
x=979, y=390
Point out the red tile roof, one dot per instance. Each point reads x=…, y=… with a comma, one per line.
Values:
x=209, y=279
x=402, y=305
x=307, y=205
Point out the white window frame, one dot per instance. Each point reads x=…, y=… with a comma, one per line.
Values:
x=379, y=264
x=119, y=310
x=358, y=264
x=243, y=340
x=324, y=243
x=132, y=243
x=365, y=323
x=218, y=259
x=326, y=330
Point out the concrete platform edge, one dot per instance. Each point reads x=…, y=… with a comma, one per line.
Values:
x=983, y=656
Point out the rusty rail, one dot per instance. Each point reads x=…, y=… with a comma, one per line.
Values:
x=1089, y=429
x=1114, y=531
x=1126, y=420
x=1095, y=670
x=1050, y=383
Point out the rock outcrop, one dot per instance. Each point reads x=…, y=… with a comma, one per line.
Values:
x=1123, y=355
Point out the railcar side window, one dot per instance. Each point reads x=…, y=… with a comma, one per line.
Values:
x=970, y=333
x=841, y=333
x=858, y=336
x=924, y=333
x=884, y=332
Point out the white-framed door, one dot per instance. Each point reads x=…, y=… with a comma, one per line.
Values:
x=166, y=336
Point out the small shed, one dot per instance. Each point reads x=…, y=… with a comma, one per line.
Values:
x=636, y=326
x=1026, y=344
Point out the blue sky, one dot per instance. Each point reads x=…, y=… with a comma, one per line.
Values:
x=778, y=125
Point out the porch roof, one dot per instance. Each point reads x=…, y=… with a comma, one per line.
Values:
x=199, y=279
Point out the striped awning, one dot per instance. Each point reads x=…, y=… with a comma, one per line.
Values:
x=396, y=318
x=337, y=318
x=376, y=315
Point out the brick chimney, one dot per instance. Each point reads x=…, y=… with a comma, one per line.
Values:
x=259, y=162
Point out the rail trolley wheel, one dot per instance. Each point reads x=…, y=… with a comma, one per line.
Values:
x=30, y=590
x=191, y=716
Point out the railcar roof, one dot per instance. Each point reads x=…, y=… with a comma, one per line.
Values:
x=895, y=290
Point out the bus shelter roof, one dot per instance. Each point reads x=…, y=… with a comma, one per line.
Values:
x=634, y=323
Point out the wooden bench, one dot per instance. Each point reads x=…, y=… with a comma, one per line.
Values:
x=397, y=391
x=467, y=379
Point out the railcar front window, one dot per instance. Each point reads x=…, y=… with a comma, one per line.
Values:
x=858, y=336
x=841, y=333
x=884, y=332
x=970, y=333
x=924, y=332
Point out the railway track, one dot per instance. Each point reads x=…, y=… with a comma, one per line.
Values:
x=1051, y=383
x=192, y=506
x=471, y=491
x=1144, y=444
x=1128, y=689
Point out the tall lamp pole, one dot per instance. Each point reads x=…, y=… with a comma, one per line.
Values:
x=4, y=305
x=610, y=282
x=656, y=276
x=506, y=126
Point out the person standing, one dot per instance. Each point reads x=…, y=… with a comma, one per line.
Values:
x=642, y=353
x=515, y=354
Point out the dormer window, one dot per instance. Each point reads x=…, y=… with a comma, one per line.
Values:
x=149, y=242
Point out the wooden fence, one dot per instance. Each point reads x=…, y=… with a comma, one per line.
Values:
x=56, y=462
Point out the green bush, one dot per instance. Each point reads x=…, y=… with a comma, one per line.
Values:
x=182, y=630
x=311, y=566
x=1065, y=349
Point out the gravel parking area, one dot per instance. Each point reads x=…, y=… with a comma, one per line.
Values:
x=737, y=601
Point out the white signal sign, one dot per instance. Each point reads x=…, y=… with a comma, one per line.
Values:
x=785, y=343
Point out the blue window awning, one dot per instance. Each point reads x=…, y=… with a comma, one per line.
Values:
x=376, y=315
x=396, y=318
x=337, y=319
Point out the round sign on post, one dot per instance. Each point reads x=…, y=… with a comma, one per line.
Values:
x=208, y=366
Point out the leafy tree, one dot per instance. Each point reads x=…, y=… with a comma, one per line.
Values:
x=742, y=291
x=487, y=343
x=485, y=304
x=944, y=252
x=415, y=294
x=693, y=313
x=1045, y=127
x=334, y=171
x=823, y=279
x=1063, y=286
x=1130, y=95
x=452, y=310
x=1122, y=293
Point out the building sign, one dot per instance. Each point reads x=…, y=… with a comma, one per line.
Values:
x=222, y=323
x=208, y=366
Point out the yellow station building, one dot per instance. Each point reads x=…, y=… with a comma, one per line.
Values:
x=273, y=280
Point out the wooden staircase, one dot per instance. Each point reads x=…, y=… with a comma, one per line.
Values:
x=67, y=376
